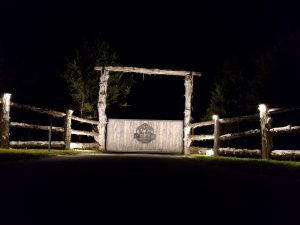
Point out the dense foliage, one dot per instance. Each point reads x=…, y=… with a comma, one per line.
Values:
x=83, y=81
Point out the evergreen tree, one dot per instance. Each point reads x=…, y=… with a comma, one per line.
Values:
x=83, y=82
x=238, y=88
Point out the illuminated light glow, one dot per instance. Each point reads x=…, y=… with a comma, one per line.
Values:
x=209, y=152
x=215, y=117
x=6, y=100
x=262, y=109
x=73, y=145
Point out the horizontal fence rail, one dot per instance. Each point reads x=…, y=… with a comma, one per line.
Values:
x=93, y=122
x=266, y=132
x=239, y=119
x=239, y=134
x=66, y=143
x=36, y=144
x=286, y=129
x=201, y=124
x=36, y=127
x=85, y=133
x=264, y=118
x=39, y=110
x=282, y=110
x=201, y=137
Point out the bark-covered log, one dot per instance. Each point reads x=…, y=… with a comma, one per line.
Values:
x=239, y=119
x=188, y=83
x=85, y=133
x=282, y=110
x=234, y=151
x=39, y=110
x=102, y=108
x=292, y=154
x=36, y=144
x=226, y=120
x=68, y=127
x=198, y=150
x=239, y=134
x=286, y=129
x=265, y=126
x=147, y=71
x=93, y=122
x=201, y=124
x=201, y=137
x=93, y=145
x=36, y=127
x=217, y=133
x=4, y=120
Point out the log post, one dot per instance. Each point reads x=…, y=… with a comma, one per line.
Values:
x=188, y=83
x=68, y=129
x=217, y=134
x=4, y=120
x=265, y=126
x=102, y=107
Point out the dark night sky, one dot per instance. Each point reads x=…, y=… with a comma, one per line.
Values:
x=37, y=36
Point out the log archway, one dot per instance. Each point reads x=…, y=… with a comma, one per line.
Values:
x=188, y=83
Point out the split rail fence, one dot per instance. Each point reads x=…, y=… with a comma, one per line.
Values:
x=67, y=131
x=266, y=131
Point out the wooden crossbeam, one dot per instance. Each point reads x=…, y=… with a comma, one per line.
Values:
x=125, y=69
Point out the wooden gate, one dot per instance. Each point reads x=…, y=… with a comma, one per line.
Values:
x=152, y=136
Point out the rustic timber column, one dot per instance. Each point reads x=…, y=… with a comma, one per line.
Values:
x=68, y=128
x=188, y=83
x=102, y=107
x=217, y=133
x=266, y=137
x=4, y=120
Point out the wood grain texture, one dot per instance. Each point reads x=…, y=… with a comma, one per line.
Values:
x=239, y=134
x=85, y=133
x=102, y=109
x=125, y=69
x=77, y=145
x=286, y=129
x=168, y=136
x=68, y=128
x=239, y=119
x=37, y=144
x=93, y=122
x=291, y=154
x=4, y=120
x=188, y=84
x=36, y=127
x=38, y=110
x=240, y=152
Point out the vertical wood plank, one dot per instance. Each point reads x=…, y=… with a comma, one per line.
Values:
x=102, y=108
x=68, y=127
x=266, y=137
x=188, y=83
x=121, y=136
x=4, y=120
x=217, y=134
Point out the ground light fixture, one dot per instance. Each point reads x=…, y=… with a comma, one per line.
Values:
x=262, y=109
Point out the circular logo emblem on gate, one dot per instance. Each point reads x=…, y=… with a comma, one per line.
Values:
x=144, y=133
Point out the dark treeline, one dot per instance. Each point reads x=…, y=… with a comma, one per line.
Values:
x=248, y=53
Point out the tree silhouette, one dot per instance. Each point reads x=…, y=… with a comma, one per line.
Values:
x=83, y=82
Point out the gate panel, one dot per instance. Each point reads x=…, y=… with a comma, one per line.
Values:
x=157, y=136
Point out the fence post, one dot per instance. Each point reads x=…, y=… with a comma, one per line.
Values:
x=217, y=133
x=265, y=126
x=4, y=120
x=67, y=134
